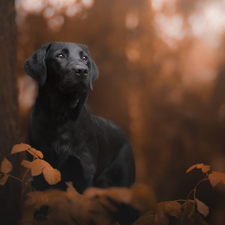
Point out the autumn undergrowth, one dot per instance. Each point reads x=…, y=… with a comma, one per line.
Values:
x=101, y=206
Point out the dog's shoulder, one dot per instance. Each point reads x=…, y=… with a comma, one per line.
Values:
x=106, y=128
x=102, y=123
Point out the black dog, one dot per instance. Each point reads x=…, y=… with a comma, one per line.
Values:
x=86, y=149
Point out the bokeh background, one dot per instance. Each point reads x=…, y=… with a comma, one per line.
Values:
x=162, y=79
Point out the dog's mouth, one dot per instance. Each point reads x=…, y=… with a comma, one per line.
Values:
x=77, y=88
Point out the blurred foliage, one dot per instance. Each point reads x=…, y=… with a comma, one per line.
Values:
x=97, y=206
x=161, y=79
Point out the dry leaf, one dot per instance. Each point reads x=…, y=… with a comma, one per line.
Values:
x=199, y=166
x=216, y=177
x=197, y=219
x=36, y=199
x=52, y=176
x=35, y=153
x=202, y=207
x=191, y=168
x=107, y=204
x=35, y=166
x=164, y=209
x=143, y=198
x=204, y=168
x=161, y=219
x=171, y=208
x=6, y=166
x=20, y=148
x=146, y=219
x=189, y=208
x=103, y=195
x=120, y=195
x=71, y=191
x=92, y=192
x=4, y=179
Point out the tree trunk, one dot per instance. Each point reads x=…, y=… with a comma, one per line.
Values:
x=9, y=193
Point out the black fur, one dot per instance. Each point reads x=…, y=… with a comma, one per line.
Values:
x=86, y=149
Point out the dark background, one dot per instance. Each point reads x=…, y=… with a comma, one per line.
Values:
x=161, y=78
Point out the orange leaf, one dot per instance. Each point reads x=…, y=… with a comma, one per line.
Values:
x=205, y=168
x=119, y=194
x=36, y=199
x=35, y=153
x=201, y=166
x=4, y=179
x=171, y=208
x=216, y=177
x=36, y=166
x=202, y=207
x=164, y=209
x=71, y=191
x=188, y=209
x=92, y=192
x=52, y=176
x=20, y=148
x=6, y=166
x=191, y=168
x=142, y=197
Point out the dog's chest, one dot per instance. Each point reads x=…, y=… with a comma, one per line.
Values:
x=63, y=140
x=69, y=139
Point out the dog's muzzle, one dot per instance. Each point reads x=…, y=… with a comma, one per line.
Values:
x=81, y=71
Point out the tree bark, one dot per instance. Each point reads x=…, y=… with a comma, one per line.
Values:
x=9, y=193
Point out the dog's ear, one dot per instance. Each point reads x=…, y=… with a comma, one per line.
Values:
x=35, y=66
x=93, y=73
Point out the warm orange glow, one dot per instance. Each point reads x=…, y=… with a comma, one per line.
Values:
x=87, y=3
x=49, y=12
x=133, y=52
x=56, y=22
x=206, y=22
x=52, y=10
x=131, y=20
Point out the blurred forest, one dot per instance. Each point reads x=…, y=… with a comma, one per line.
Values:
x=161, y=78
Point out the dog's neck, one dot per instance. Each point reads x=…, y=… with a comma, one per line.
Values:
x=60, y=105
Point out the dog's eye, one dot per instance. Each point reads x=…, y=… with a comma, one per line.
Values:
x=84, y=58
x=60, y=56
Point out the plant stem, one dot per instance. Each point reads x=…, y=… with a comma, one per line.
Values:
x=24, y=176
x=206, y=178
x=180, y=200
x=15, y=178
x=189, y=194
x=194, y=190
x=22, y=191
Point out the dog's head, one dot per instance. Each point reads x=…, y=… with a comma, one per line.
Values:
x=65, y=66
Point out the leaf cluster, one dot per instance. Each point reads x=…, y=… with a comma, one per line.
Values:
x=94, y=206
x=102, y=206
x=172, y=212
x=37, y=166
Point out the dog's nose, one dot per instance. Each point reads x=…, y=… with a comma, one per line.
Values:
x=81, y=71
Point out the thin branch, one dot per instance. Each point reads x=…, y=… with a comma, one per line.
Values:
x=15, y=178
x=189, y=194
x=180, y=200
x=206, y=178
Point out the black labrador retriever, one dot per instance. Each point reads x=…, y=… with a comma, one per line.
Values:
x=88, y=150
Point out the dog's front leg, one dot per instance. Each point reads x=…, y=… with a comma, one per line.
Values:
x=80, y=173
